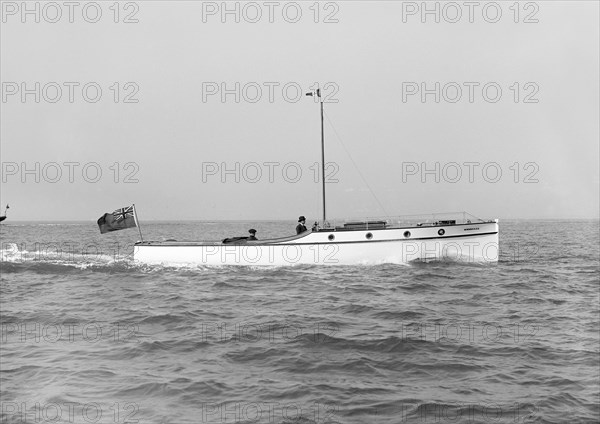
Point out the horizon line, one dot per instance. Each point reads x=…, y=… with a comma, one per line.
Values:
x=272, y=220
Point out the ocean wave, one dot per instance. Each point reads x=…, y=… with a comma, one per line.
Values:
x=428, y=342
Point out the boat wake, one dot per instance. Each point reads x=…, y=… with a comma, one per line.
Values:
x=14, y=259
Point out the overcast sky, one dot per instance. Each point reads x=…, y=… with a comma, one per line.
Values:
x=508, y=122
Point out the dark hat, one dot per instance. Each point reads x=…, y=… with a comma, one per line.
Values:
x=302, y=218
x=252, y=230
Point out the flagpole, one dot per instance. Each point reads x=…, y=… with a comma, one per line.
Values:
x=137, y=222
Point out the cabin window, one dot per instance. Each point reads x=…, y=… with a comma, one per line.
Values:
x=331, y=237
x=441, y=232
x=407, y=234
x=369, y=236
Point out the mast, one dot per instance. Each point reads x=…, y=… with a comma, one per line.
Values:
x=322, y=154
x=318, y=94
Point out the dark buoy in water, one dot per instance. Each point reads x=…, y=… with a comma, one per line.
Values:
x=3, y=217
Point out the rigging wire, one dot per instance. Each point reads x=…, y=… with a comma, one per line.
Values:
x=356, y=166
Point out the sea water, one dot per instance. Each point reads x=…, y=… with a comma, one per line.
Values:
x=88, y=336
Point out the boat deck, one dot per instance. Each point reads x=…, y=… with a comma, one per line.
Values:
x=220, y=243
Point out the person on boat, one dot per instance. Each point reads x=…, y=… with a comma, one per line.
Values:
x=315, y=227
x=300, y=228
x=252, y=237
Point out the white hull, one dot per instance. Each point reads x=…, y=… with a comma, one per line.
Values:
x=477, y=242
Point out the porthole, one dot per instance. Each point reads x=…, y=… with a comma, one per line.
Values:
x=369, y=236
x=441, y=232
x=331, y=237
x=407, y=234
